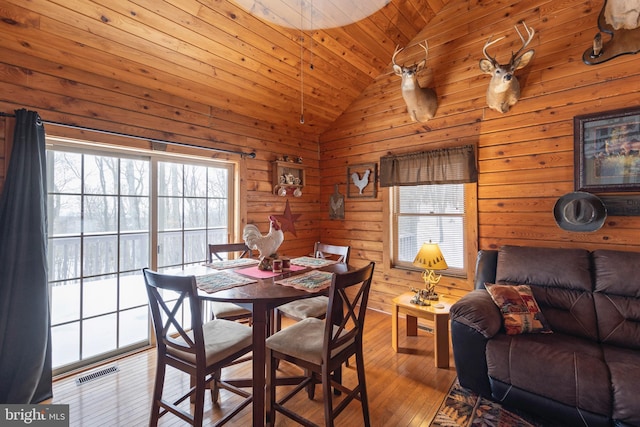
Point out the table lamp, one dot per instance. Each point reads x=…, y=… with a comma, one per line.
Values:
x=430, y=258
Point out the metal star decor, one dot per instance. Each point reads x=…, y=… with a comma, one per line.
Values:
x=287, y=220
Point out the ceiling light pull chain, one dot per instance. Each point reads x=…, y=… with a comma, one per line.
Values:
x=311, y=36
x=301, y=67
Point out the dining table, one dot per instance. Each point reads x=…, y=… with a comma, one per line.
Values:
x=262, y=295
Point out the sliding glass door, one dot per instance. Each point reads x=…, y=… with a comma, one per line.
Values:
x=106, y=211
x=193, y=210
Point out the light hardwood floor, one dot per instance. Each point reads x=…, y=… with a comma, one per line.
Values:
x=405, y=388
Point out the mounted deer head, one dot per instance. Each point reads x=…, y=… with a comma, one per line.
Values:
x=421, y=101
x=504, y=89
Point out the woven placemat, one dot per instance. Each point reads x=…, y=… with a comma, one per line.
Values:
x=232, y=263
x=312, y=281
x=307, y=261
x=221, y=280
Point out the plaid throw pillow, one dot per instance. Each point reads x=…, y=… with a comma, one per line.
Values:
x=519, y=309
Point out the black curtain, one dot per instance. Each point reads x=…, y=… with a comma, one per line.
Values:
x=25, y=344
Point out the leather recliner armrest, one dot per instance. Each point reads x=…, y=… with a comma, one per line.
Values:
x=477, y=311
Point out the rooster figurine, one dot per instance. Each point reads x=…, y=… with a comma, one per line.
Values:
x=267, y=245
x=361, y=183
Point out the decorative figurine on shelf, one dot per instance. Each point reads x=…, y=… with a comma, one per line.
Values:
x=430, y=258
x=423, y=296
x=267, y=245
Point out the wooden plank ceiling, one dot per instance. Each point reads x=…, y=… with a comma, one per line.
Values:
x=215, y=53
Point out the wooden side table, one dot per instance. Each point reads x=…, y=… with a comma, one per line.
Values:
x=439, y=316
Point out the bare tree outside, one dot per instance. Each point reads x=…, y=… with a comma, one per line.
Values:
x=193, y=210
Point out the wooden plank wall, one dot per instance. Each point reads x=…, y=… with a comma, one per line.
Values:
x=27, y=82
x=525, y=156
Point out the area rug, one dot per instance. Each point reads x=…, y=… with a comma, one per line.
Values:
x=464, y=408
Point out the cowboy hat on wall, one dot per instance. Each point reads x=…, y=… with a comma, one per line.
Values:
x=580, y=211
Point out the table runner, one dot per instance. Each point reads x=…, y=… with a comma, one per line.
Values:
x=220, y=280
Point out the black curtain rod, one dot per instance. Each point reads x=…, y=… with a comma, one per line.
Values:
x=161, y=141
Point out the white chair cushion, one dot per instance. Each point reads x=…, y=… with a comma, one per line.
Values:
x=221, y=310
x=302, y=340
x=222, y=338
x=306, y=307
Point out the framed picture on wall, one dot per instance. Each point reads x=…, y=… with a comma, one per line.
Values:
x=607, y=151
x=361, y=180
x=336, y=204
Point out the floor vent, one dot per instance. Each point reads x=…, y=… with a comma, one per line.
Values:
x=426, y=328
x=97, y=374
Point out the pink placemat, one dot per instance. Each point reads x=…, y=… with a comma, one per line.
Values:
x=265, y=274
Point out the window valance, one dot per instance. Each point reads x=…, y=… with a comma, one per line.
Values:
x=453, y=165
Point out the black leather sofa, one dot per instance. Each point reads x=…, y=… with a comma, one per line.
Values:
x=585, y=373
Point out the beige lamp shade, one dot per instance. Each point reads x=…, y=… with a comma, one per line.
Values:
x=430, y=257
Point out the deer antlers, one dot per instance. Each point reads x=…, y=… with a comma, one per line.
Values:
x=399, y=49
x=395, y=53
x=514, y=56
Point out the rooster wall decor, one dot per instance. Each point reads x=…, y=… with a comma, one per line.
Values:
x=362, y=180
x=361, y=183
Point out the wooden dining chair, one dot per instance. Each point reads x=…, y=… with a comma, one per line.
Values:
x=316, y=306
x=201, y=351
x=228, y=310
x=326, y=346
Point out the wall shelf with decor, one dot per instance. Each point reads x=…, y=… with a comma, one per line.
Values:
x=288, y=178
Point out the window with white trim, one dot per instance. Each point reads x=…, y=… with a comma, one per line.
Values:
x=430, y=213
x=430, y=197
